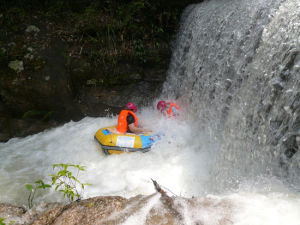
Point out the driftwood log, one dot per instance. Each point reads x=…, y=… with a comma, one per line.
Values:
x=167, y=201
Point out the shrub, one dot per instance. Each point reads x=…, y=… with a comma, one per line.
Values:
x=64, y=181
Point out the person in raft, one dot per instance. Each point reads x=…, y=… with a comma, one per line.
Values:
x=168, y=108
x=128, y=121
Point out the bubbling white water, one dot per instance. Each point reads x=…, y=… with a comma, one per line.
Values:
x=173, y=162
x=180, y=162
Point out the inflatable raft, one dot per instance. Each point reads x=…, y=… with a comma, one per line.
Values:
x=113, y=142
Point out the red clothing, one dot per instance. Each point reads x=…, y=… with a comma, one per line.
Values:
x=170, y=111
x=122, y=126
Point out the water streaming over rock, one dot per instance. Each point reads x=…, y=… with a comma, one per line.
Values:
x=237, y=65
x=235, y=72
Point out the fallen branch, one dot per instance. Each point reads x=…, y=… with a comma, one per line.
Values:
x=167, y=200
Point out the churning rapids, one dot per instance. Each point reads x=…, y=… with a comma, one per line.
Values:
x=235, y=70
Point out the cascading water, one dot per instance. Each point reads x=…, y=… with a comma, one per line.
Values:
x=237, y=63
x=235, y=70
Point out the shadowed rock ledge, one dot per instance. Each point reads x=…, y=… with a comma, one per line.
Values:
x=110, y=210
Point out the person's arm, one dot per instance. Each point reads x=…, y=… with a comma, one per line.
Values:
x=175, y=111
x=137, y=130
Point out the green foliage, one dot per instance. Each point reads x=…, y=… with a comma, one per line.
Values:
x=3, y=223
x=31, y=113
x=116, y=30
x=104, y=32
x=37, y=113
x=139, y=50
x=14, y=17
x=39, y=184
x=65, y=182
x=47, y=115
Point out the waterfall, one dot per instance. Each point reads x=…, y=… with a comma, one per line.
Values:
x=231, y=157
x=236, y=68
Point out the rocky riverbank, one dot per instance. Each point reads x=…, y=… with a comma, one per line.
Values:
x=152, y=209
x=62, y=61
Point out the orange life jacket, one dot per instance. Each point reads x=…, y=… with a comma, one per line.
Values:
x=170, y=111
x=122, y=126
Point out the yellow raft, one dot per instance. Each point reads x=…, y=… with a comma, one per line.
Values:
x=113, y=142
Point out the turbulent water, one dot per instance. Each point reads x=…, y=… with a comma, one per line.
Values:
x=237, y=65
x=180, y=168
x=235, y=73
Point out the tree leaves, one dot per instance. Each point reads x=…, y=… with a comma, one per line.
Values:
x=64, y=182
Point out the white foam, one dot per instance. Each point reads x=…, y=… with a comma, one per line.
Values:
x=180, y=163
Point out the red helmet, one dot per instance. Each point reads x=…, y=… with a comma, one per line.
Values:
x=161, y=105
x=131, y=106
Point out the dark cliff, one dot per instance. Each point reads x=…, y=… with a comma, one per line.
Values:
x=64, y=60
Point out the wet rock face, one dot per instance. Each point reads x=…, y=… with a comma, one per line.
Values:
x=47, y=88
x=42, y=96
x=88, y=211
x=9, y=209
x=150, y=210
x=85, y=212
